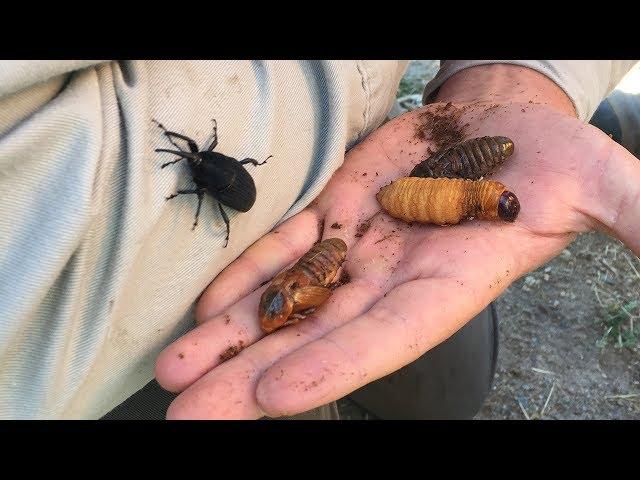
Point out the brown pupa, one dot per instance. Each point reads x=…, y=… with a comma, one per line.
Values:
x=447, y=201
x=472, y=159
x=298, y=291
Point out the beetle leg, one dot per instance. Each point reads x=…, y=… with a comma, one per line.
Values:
x=200, y=197
x=199, y=192
x=214, y=141
x=254, y=162
x=182, y=154
x=310, y=297
x=293, y=319
x=171, y=162
x=182, y=192
x=226, y=221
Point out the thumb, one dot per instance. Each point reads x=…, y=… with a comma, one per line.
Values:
x=611, y=194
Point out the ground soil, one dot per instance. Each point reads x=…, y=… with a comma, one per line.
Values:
x=552, y=324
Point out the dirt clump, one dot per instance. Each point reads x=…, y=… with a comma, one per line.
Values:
x=441, y=126
x=362, y=228
x=232, y=351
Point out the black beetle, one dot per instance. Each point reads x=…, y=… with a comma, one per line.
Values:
x=223, y=177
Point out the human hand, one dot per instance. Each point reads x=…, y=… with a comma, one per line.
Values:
x=411, y=287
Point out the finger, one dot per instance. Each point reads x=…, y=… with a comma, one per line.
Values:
x=184, y=361
x=228, y=391
x=187, y=359
x=192, y=356
x=409, y=320
x=611, y=191
x=396, y=331
x=205, y=347
x=259, y=263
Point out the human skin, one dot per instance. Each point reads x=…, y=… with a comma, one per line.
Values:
x=416, y=288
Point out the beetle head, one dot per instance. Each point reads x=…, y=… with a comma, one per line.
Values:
x=194, y=158
x=275, y=307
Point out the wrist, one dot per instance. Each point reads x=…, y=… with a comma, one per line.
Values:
x=504, y=83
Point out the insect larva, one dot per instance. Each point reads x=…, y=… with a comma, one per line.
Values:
x=472, y=159
x=297, y=291
x=447, y=201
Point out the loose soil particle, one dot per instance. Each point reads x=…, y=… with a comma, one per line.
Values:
x=441, y=126
x=232, y=351
x=362, y=228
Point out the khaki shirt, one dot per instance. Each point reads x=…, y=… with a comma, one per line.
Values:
x=98, y=273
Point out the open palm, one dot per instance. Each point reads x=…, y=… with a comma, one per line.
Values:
x=411, y=287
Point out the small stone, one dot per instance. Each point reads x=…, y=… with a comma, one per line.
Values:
x=530, y=281
x=546, y=277
x=556, y=303
x=410, y=102
x=565, y=254
x=525, y=288
x=563, y=293
x=547, y=269
x=589, y=281
x=586, y=256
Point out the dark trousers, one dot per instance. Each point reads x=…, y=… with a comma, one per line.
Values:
x=450, y=381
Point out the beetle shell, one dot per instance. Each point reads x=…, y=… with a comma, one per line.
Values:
x=304, y=286
x=226, y=180
x=447, y=201
x=472, y=159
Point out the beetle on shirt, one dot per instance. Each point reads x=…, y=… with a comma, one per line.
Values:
x=223, y=177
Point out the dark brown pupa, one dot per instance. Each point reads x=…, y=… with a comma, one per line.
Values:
x=472, y=159
x=299, y=290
